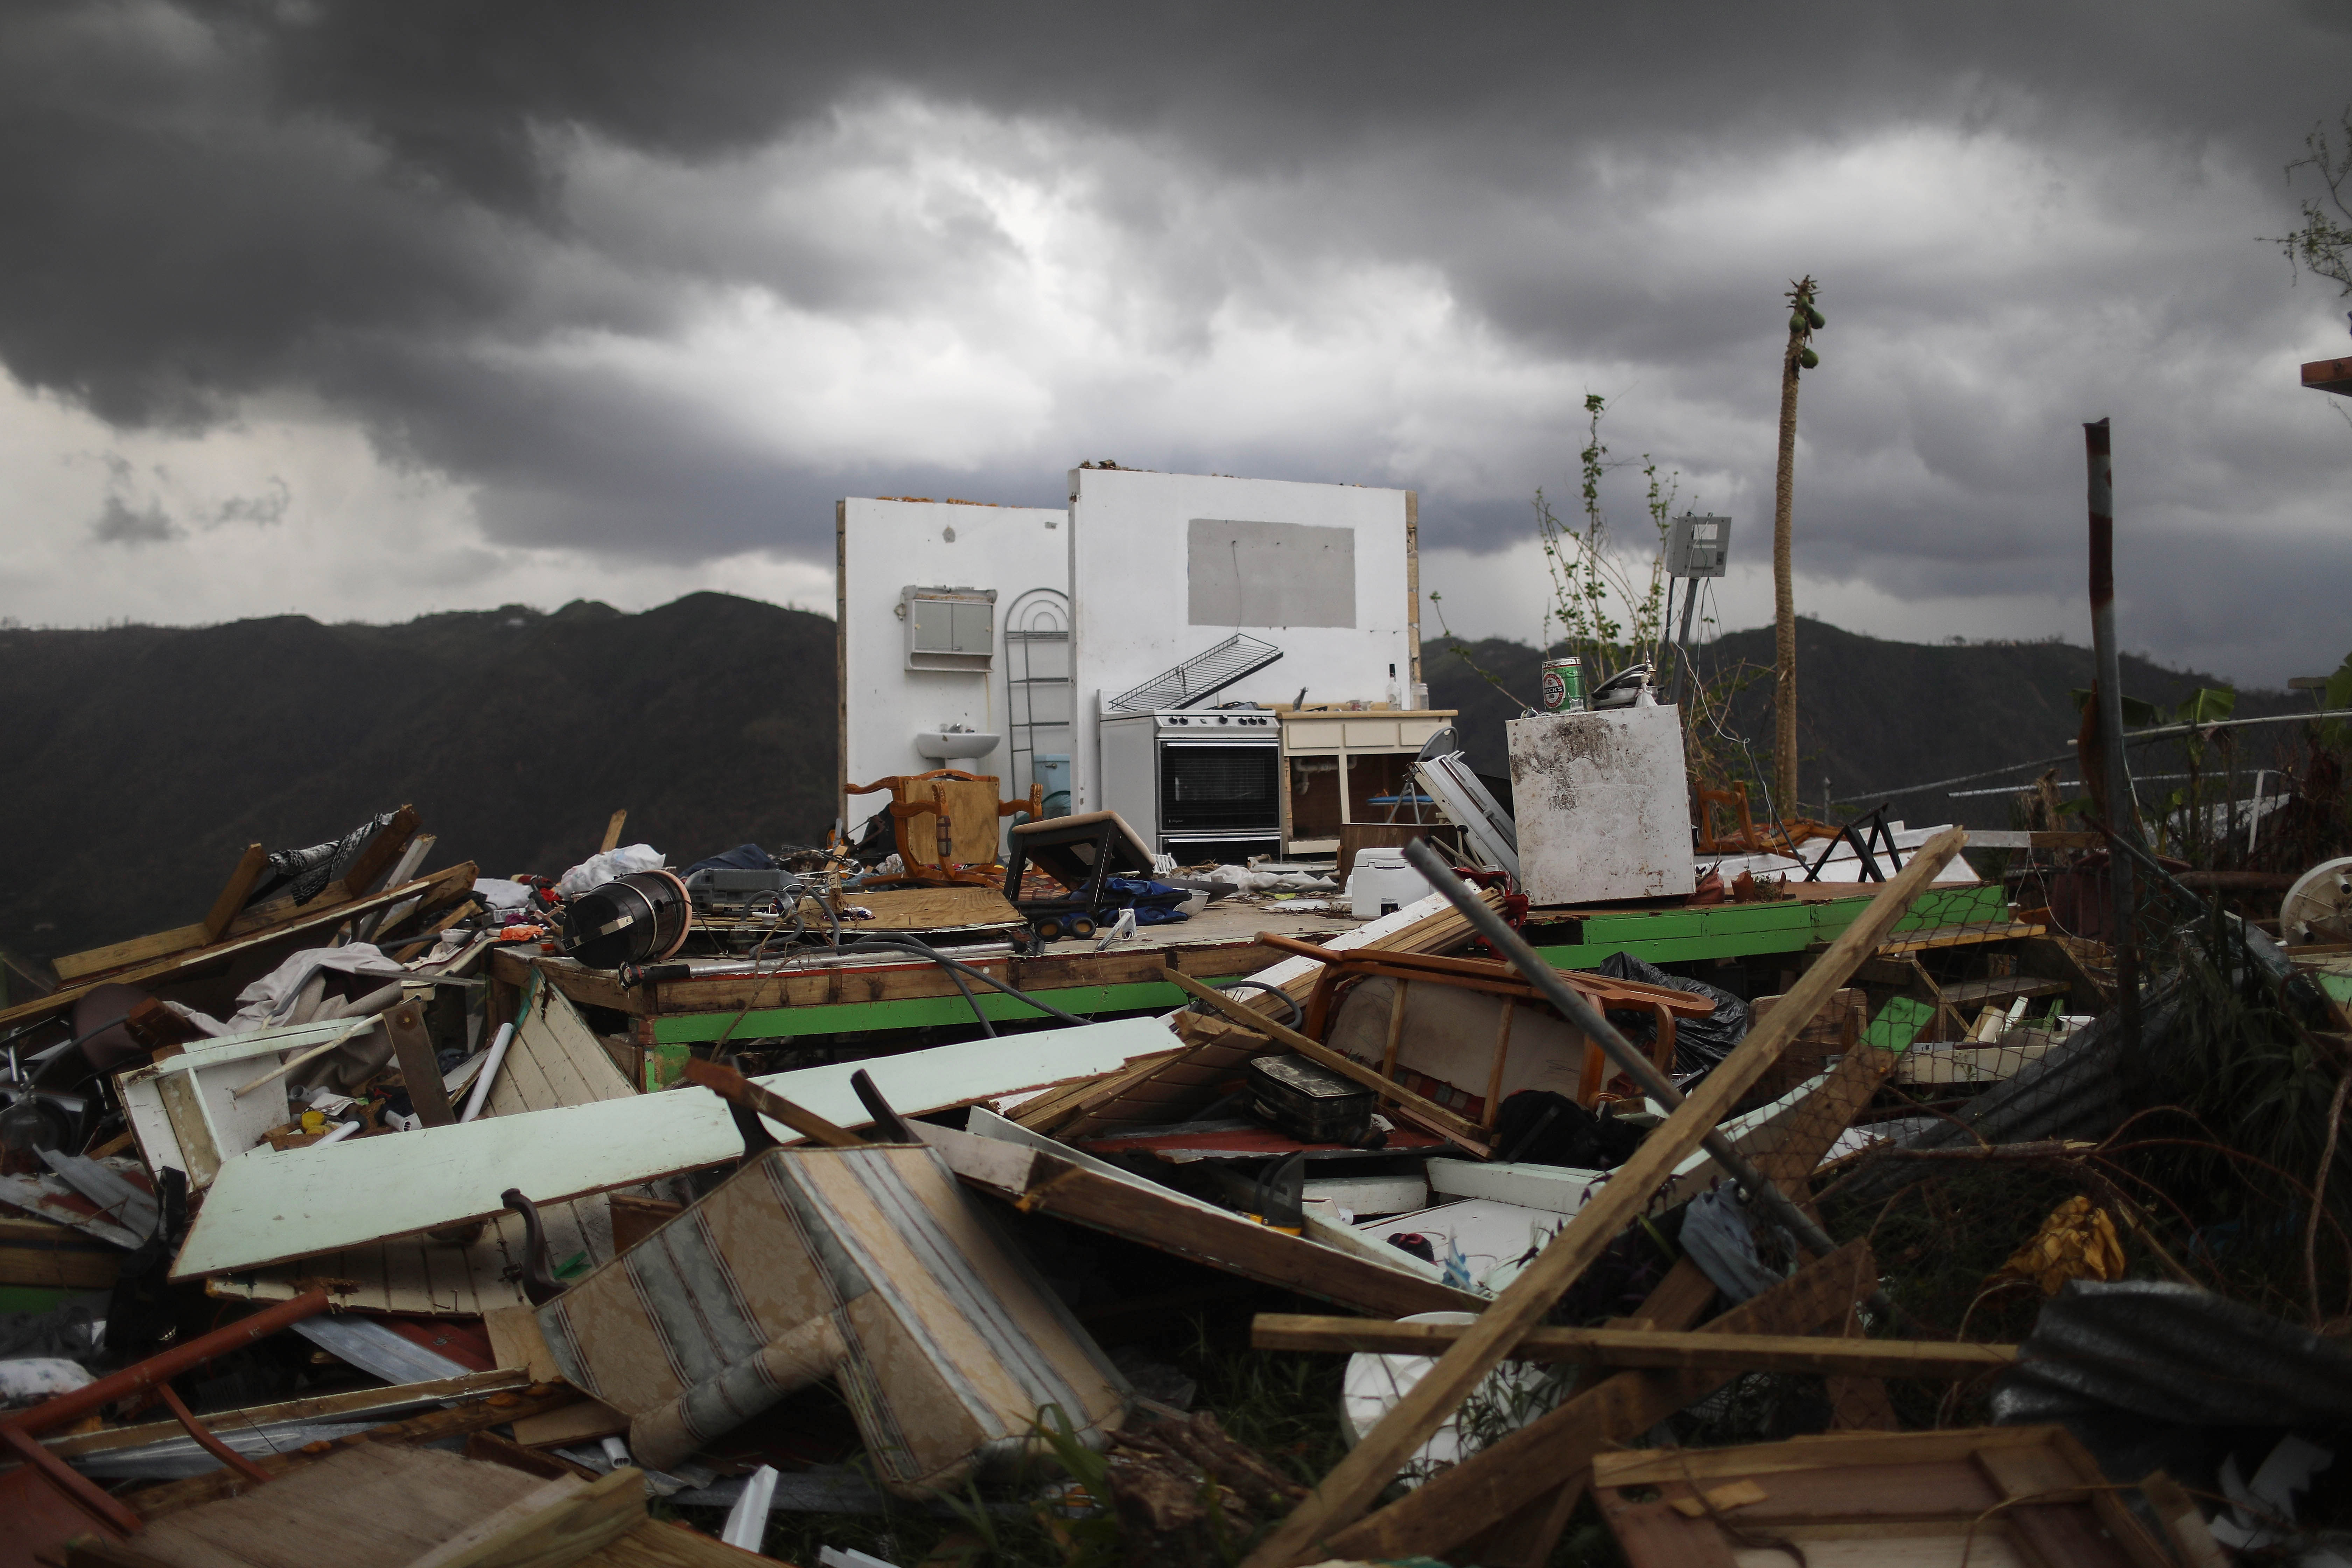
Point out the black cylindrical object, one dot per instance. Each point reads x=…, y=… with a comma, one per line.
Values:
x=630, y=920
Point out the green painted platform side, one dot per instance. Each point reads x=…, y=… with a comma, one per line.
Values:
x=1897, y=1024
x=915, y=1013
x=1739, y=930
x=2337, y=986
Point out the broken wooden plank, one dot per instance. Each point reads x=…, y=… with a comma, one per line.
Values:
x=1357, y=1478
x=310, y=918
x=236, y=891
x=1090, y=1193
x=274, y=1205
x=1648, y=1348
x=412, y=1048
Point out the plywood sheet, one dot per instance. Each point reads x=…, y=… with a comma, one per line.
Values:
x=275, y=1205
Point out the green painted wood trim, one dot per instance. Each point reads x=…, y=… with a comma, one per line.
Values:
x=1738, y=931
x=914, y=1013
x=1897, y=1024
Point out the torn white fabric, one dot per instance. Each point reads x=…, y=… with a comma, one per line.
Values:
x=271, y=999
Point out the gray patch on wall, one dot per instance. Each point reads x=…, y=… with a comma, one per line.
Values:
x=1269, y=574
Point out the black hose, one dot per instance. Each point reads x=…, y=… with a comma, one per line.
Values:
x=912, y=945
x=1296, y=1017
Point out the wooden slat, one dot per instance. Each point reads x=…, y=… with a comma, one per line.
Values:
x=232, y=894
x=1358, y=1478
x=1648, y=1348
x=376, y=856
x=160, y=944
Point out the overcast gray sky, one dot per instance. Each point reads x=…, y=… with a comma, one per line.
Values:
x=364, y=311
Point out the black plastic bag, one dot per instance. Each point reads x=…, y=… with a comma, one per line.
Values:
x=1542, y=1128
x=1700, y=1043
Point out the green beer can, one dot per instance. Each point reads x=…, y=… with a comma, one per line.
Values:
x=1563, y=685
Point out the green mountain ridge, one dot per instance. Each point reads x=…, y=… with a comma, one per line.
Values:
x=146, y=758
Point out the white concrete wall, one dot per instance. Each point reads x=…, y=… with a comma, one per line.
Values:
x=886, y=545
x=1128, y=543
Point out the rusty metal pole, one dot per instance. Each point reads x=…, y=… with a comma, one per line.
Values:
x=2123, y=818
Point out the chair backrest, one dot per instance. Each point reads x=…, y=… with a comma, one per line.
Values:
x=869, y=1264
x=968, y=808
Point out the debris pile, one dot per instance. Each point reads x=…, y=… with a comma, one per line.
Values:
x=937, y=1206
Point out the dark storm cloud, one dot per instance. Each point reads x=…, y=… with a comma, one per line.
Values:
x=383, y=207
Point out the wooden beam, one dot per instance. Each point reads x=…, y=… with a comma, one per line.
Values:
x=412, y=1048
x=1647, y=1348
x=2329, y=375
x=1436, y=1117
x=232, y=894
x=157, y=944
x=612, y=832
x=1359, y=1479
x=376, y=858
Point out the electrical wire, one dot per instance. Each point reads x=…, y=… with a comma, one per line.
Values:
x=1298, y=1018
x=911, y=944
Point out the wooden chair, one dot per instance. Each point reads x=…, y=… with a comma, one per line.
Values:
x=959, y=843
x=1403, y=1058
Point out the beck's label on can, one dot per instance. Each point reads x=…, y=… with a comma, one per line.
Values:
x=1563, y=685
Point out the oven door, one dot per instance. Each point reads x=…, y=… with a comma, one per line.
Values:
x=1211, y=790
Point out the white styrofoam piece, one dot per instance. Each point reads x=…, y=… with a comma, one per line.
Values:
x=1558, y=1188
x=1603, y=801
x=1368, y=1195
x=273, y=1206
x=1130, y=587
x=886, y=546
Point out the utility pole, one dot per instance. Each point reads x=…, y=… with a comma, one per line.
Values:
x=1803, y=321
x=2123, y=815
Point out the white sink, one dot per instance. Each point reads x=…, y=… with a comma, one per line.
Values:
x=947, y=745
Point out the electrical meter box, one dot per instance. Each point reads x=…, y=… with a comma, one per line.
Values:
x=1604, y=805
x=1697, y=546
x=950, y=628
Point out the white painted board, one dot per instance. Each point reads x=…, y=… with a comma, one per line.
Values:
x=1557, y=1188
x=276, y=1205
x=1604, y=805
x=886, y=546
x=1149, y=589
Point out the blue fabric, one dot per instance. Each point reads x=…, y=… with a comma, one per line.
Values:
x=1153, y=902
x=742, y=858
